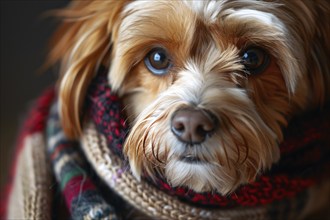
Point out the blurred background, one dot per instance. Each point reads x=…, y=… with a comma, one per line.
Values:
x=24, y=36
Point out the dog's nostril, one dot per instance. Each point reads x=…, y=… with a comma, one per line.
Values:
x=192, y=126
x=178, y=126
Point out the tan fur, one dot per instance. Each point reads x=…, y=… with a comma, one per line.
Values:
x=81, y=44
x=204, y=43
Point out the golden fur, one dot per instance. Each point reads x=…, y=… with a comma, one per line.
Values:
x=205, y=40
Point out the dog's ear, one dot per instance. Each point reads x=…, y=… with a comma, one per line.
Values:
x=320, y=67
x=81, y=44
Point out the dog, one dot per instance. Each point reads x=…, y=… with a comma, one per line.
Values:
x=207, y=86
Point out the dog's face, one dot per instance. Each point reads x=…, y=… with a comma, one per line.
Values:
x=207, y=85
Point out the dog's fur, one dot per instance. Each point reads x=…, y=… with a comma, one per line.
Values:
x=205, y=41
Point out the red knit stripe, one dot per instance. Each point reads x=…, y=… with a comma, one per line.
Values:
x=266, y=190
x=59, y=148
x=76, y=186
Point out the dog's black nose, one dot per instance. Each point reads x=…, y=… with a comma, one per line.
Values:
x=192, y=126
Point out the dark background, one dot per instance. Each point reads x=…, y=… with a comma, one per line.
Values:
x=24, y=36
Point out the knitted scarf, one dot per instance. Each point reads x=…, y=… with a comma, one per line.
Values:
x=93, y=178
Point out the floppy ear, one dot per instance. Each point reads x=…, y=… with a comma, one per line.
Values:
x=81, y=44
x=320, y=52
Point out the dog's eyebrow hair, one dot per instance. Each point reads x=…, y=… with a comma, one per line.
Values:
x=208, y=10
x=260, y=16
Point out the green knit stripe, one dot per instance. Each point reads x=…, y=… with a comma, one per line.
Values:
x=69, y=175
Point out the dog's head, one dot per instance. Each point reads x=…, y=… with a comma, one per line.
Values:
x=207, y=85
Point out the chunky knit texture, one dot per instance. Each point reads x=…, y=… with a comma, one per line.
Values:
x=280, y=193
x=82, y=198
x=304, y=157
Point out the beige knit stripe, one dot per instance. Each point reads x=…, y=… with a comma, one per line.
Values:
x=53, y=140
x=31, y=195
x=64, y=159
x=144, y=197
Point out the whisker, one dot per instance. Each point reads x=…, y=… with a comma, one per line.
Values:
x=226, y=154
x=245, y=144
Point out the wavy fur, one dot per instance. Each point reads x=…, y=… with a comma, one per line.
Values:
x=205, y=40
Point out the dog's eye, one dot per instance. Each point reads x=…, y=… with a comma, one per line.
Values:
x=255, y=60
x=157, y=61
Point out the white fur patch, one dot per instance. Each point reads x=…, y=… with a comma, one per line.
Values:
x=260, y=16
x=254, y=14
x=209, y=10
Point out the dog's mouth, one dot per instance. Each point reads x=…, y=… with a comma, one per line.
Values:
x=189, y=158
